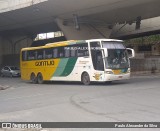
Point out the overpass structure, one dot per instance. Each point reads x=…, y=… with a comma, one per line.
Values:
x=126, y=31
x=149, y=26
x=22, y=20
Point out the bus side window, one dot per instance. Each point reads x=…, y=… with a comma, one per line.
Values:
x=67, y=52
x=48, y=53
x=83, y=50
x=61, y=52
x=74, y=52
x=31, y=55
x=24, y=55
x=40, y=54
x=55, y=53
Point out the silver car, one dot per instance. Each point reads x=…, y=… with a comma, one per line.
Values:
x=10, y=71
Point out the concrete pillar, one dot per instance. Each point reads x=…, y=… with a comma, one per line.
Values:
x=86, y=31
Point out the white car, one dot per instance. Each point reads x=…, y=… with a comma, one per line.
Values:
x=10, y=71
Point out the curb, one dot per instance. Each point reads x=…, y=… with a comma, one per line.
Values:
x=149, y=75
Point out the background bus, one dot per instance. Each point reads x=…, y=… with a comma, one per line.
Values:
x=96, y=60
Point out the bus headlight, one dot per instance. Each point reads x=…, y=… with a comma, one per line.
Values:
x=108, y=72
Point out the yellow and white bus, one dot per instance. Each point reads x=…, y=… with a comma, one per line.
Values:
x=95, y=60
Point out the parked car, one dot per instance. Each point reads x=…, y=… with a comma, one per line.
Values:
x=10, y=71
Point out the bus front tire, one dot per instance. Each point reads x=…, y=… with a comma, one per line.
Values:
x=85, y=78
x=40, y=78
x=33, y=78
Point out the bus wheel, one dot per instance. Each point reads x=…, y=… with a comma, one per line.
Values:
x=33, y=78
x=85, y=78
x=40, y=78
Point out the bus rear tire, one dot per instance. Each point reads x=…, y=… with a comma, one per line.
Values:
x=85, y=79
x=40, y=78
x=33, y=78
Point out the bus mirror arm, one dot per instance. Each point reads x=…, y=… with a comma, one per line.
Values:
x=105, y=51
x=132, y=52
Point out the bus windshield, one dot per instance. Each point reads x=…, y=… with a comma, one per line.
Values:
x=117, y=55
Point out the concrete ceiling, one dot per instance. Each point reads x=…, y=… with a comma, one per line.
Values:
x=34, y=17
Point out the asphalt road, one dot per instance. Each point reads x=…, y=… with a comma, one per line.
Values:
x=136, y=100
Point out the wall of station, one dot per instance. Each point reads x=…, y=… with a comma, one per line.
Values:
x=10, y=47
x=146, y=61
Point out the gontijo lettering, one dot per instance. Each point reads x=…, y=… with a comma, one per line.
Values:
x=44, y=63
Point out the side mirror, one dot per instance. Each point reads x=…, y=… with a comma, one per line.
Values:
x=131, y=53
x=105, y=51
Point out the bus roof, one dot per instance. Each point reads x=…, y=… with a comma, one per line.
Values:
x=69, y=42
x=56, y=44
x=90, y=40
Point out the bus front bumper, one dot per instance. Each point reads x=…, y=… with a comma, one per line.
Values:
x=111, y=77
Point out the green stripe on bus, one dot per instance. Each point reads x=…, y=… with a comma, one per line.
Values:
x=61, y=66
x=69, y=67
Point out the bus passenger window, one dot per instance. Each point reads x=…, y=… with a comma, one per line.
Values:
x=73, y=53
x=40, y=57
x=61, y=52
x=24, y=55
x=40, y=54
x=31, y=55
x=55, y=53
x=48, y=53
x=67, y=52
x=83, y=50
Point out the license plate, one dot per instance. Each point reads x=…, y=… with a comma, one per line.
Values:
x=120, y=76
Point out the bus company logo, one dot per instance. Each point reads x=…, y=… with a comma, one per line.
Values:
x=97, y=76
x=44, y=63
